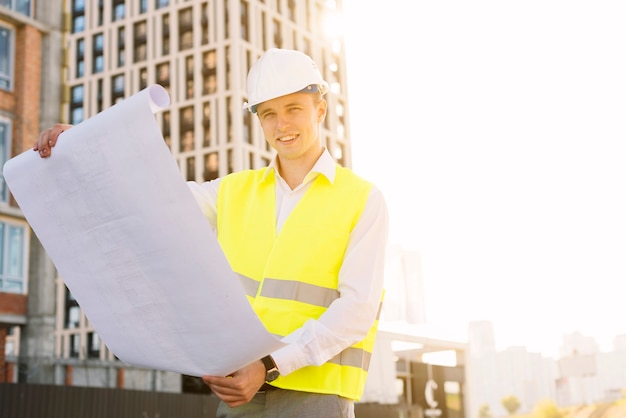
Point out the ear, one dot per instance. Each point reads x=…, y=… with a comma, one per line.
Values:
x=322, y=105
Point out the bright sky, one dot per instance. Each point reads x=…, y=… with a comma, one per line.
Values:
x=497, y=131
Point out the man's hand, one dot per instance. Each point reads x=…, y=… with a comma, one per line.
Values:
x=48, y=139
x=240, y=387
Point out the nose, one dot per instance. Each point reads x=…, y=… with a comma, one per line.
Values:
x=283, y=123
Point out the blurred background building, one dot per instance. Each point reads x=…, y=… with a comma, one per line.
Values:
x=65, y=61
x=30, y=93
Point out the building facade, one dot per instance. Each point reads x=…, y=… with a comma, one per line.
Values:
x=30, y=51
x=65, y=61
x=93, y=54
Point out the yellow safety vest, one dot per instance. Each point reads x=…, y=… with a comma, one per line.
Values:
x=292, y=276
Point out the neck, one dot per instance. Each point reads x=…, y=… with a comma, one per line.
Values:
x=294, y=171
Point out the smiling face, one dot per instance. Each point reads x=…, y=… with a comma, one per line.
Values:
x=291, y=125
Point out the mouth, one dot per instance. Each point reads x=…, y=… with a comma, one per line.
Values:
x=287, y=138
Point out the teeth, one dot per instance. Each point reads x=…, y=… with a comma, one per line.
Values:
x=287, y=138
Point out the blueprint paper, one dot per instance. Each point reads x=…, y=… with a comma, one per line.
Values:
x=117, y=219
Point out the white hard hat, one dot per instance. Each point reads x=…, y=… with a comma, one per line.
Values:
x=280, y=72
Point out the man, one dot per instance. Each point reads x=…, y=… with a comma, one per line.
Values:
x=308, y=239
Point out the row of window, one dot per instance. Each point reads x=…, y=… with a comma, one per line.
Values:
x=118, y=11
x=135, y=49
x=185, y=39
x=21, y=6
x=13, y=237
x=72, y=314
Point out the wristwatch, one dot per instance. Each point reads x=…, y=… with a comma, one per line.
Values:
x=271, y=371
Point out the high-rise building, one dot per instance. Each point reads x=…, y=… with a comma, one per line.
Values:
x=404, y=295
x=30, y=62
x=97, y=53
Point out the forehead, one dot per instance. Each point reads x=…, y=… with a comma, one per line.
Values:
x=286, y=101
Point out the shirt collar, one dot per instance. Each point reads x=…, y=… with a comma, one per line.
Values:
x=325, y=166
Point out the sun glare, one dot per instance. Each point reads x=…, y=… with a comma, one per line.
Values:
x=333, y=22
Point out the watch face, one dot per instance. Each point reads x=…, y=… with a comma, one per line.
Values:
x=272, y=375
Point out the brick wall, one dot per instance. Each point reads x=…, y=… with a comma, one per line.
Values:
x=12, y=304
x=3, y=363
x=27, y=87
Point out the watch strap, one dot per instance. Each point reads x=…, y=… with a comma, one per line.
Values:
x=269, y=363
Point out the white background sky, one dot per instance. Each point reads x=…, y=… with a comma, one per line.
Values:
x=497, y=131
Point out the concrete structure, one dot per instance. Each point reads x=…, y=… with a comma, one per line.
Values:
x=493, y=375
x=587, y=375
x=64, y=61
x=200, y=52
x=30, y=51
x=582, y=375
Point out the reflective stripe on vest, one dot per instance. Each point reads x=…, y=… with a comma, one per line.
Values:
x=313, y=295
x=292, y=276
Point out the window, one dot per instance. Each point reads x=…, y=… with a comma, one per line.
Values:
x=204, y=22
x=12, y=260
x=100, y=13
x=72, y=311
x=291, y=10
x=163, y=74
x=78, y=24
x=206, y=124
x=211, y=167
x=98, y=54
x=78, y=16
x=117, y=88
x=226, y=19
x=189, y=77
x=165, y=31
x=76, y=105
x=191, y=167
x=229, y=120
x=20, y=6
x=12, y=345
x=162, y=3
x=247, y=127
x=140, y=39
x=5, y=150
x=80, y=58
x=143, y=78
x=100, y=96
x=185, y=29
x=121, y=46
x=6, y=58
x=74, y=346
x=186, y=132
x=119, y=10
x=245, y=22
x=165, y=128
x=277, y=37
x=93, y=345
x=209, y=72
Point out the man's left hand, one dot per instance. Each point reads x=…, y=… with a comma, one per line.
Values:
x=240, y=387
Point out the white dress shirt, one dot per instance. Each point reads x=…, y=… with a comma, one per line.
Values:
x=348, y=319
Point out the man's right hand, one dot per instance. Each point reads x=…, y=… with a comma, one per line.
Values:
x=48, y=139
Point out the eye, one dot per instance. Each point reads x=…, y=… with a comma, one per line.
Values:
x=267, y=115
